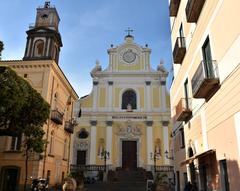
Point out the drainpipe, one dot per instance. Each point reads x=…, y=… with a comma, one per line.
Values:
x=69, y=146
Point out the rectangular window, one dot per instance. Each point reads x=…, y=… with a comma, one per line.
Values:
x=224, y=175
x=16, y=143
x=181, y=35
x=182, y=138
x=207, y=58
x=186, y=94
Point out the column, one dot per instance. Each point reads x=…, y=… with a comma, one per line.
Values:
x=149, y=144
x=166, y=141
x=148, y=97
x=109, y=141
x=110, y=105
x=93, y=143
x=95, y=95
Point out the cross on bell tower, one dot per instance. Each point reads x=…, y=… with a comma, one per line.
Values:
x=129, y=31
x=129, y=38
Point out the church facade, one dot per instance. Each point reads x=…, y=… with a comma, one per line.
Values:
x=127, y=114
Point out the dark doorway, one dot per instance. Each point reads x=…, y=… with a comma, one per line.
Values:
x=10, y=178
x=224, y=175
x=203, y=176
x=129, y=155
x=81, y=157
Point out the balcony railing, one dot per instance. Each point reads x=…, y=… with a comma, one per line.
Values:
x=193, y=10
x=205, y=81
x=164, y=168
x=179, y=50
x=184, y=109
x=57, y=117
x=69, y=126
x=76, y=168
x=173, y=8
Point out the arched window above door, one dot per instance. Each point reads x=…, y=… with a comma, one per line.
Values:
x=129, y=99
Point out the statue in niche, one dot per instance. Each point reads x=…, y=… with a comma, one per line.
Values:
x=129, y=108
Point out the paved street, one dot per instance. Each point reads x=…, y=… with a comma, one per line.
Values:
x=127, y=186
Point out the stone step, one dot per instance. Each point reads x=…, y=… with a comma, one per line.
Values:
x=118, y=186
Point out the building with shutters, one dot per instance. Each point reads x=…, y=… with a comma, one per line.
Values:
x=204, y=93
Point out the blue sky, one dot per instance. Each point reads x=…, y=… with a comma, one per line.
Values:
x=88, y=28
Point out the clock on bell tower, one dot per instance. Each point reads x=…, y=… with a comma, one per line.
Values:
x=44, y=40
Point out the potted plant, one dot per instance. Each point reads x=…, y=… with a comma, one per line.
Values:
x=161, y=183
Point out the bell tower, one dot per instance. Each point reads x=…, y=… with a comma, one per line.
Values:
x=44, y=40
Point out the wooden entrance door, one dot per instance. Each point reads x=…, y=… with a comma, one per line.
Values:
x=129, y=155
x=81, y=157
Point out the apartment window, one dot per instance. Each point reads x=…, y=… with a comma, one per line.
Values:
x=224, y=175
x=186, y=93
x=182, y=138
x=51, y=143
x=181, y=35
x=16, y=143
x=207, y=58
x=65, y=150
x=25, y=75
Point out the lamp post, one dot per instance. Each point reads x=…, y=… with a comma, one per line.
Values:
x=167, y=156
x=155, y=156
x=105, y=155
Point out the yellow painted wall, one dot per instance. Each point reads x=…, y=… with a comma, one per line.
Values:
x=87, y=101
x=156, y=97
x=116, y=96
x=141, y=93
x=130, y=67
x=102, y=97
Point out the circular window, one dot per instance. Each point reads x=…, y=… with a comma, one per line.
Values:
x=83, y=134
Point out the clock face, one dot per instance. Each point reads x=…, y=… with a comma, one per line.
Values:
x=129, y=56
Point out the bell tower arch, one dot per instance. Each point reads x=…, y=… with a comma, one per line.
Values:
x=43, y=38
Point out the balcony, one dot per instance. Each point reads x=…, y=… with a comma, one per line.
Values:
x=57, y=117
x=193, y=10
x=205, y=81
x=69, y=126
x=173, y=8
x=183, y=110
x=179, y=50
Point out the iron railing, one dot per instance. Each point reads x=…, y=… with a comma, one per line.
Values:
x=57, y=117
x=179, y=50
x=206, y=70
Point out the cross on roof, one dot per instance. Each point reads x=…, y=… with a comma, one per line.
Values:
x=129, y=31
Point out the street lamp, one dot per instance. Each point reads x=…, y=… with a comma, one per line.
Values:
x=167, y=156
x=105, y=155
x=155, y=156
